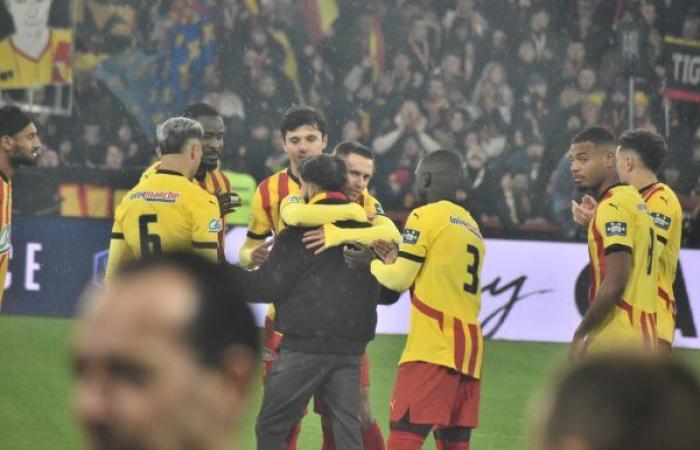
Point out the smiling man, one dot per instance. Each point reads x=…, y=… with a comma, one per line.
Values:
x=19, y=146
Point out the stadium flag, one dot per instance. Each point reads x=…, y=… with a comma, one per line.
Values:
x=291, y=68
x=153, y=86
x=376, y=49
x=682, y=69
x=252, y=6
x=319, y=16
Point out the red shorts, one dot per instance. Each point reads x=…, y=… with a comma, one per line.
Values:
x=320, y=406
x=436, y=395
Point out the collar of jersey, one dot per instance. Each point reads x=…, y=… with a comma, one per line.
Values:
x=294, y=178
x=608, y=192
x=329, y=198
x=646, y=188
x=169, y=172
x=4, y=177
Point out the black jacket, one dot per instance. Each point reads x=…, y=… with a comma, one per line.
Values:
x=322, y=306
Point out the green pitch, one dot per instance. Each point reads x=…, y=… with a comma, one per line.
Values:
x=35, y=388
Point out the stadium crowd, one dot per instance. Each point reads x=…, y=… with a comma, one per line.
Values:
x=406, y=77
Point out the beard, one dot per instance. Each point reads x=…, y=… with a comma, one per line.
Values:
x=19, y=159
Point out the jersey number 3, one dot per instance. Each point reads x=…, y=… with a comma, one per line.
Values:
x=150, y=243
x=473, y=270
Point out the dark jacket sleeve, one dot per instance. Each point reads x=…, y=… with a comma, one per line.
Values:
x=387, y=296
x=286, y=262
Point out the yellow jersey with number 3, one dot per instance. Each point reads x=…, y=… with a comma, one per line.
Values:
x=164, y=212
x=446, y=294
x=621, y=223
x=667, y=215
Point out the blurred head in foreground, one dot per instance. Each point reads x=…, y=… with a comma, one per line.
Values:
x=164, y=357
x=617, y=402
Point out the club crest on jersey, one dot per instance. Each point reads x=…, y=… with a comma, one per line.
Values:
x=410, y=236
x=616, y=229
x=295, y=199
x=215, y=226
x=661, y=221
x=379, y=209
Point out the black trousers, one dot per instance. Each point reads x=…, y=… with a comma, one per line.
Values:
x=290, y=384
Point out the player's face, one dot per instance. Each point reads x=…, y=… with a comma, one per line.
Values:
x=304, y=142
x=29, y=13
x=139, y=384
x=588, y=165
x=213, y=141
x=27, y=147
x=360, y=170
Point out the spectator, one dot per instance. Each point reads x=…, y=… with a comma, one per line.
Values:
x=586, y=85
x=114, y=158
x=492, y=94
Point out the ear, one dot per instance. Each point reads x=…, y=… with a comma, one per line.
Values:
x=325, y=142
x=427, y=180
x=5, y=142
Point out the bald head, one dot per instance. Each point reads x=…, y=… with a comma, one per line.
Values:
x=438, y=175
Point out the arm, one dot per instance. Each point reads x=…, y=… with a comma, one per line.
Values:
x=252, y=253
x=428, y=143
x=383, y=143
x=206, y=224
x=119, y=252
x=618, y=270
x=294, y=212
x=398, y=276
x=382, y=228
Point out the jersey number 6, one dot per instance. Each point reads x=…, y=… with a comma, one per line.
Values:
x=150, y=243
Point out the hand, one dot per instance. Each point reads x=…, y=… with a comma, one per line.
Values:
x=315, y=240
x=386, y=251
x=583, y=212
x=577, y=349
x=261, y=253
x=358, y=256
x=228, y=202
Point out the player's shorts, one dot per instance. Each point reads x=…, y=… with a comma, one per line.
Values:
x=427, y=393
x=271, y=344
x=320, y=406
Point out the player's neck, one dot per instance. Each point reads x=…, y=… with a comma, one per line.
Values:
x=609, y=182
x=175, y=164
x=31, y=42
x=440, y=195
x=642, y=179
x=6, y=167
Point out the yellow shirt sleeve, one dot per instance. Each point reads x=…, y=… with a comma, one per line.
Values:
x=295, y=212
x=382, y=228
x=614, y=224
x=398, y=276
x=119, y=251
x=206, y=224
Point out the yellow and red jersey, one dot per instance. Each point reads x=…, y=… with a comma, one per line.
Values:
x=5, y=229
x=53, y=66
x=667, y=215
x=622, y=223
x=441, y=255
x=268, y=197
x=214, y=181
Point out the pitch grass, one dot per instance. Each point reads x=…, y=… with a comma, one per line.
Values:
x=35, y=388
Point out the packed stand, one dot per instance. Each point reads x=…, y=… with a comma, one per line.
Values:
x=507, y=83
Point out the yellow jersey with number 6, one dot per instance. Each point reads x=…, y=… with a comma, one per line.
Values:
x=164, y=212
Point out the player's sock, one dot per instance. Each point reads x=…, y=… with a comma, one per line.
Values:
x=403, y=440
x=293, y=437
x=372, y=438
x=327, y=429
x=442, y=445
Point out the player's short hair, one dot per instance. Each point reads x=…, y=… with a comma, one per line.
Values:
x=619, y=401
x=222, y=320
x=194, y=110
x=174, y=133
x=649, y=145
x=346, y=148
x=444, y=161
x=298, y=116
x=596, y=135
x=327, y=172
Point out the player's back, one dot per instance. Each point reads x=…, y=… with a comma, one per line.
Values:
x=167, y=212
x=446, y=295
x=667, y=215
x=622, y=223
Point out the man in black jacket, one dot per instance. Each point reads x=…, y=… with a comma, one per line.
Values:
x=327, y=313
